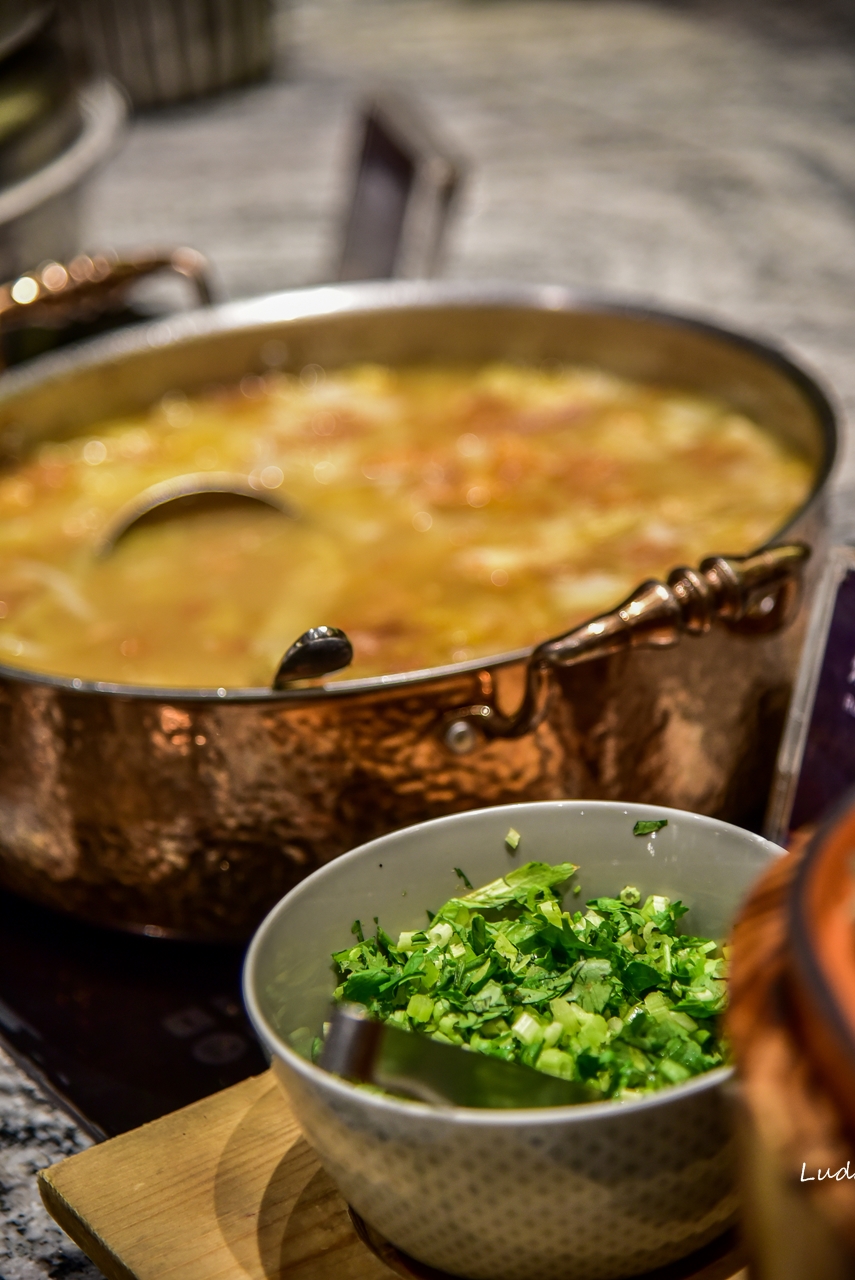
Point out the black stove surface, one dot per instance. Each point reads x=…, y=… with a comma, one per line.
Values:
x=122, y=1029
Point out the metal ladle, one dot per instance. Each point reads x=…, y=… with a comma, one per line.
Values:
x=186, y=490
x=320, y=650
x=751, y=595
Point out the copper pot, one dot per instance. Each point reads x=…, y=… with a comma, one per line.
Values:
x=191, y=811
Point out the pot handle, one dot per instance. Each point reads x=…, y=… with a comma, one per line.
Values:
x=750, y=595
x=58, y=294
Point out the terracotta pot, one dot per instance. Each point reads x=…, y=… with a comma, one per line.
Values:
x=792, y=1025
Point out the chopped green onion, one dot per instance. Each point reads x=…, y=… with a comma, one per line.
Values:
x=616, y=996
x=420, y=1008
x=461, y=875
x=647, y=826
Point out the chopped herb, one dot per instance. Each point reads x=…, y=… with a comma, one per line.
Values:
x=512, y=839
x=617, y=997
x=356, y=930
x=647, y=826
x=463, y=876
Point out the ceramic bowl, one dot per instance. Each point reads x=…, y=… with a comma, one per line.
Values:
x=598, y=1191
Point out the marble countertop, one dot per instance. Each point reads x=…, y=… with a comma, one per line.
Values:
x=695, y=153
x=33, y=1134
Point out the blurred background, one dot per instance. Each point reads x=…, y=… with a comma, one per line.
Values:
x=693, y=153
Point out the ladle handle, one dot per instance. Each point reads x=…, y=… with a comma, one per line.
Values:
x=317, y=652
x=751, y=595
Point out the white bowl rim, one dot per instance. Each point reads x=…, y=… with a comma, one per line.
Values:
x=513, y=1117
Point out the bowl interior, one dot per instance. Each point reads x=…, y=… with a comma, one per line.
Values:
x=289, y=978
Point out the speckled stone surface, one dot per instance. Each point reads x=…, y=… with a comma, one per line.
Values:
x=698, y=153
x=33, y=1134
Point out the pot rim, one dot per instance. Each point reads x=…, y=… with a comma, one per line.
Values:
x=372, y=296
x=513, y=1117
x=104, y=112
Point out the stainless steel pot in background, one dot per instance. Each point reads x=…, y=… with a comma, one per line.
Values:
x=56, y=127
x=191, y=811
x=40, y=214
x=164, y=51
x=39, y=109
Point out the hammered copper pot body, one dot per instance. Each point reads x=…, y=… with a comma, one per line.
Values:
x=192, y=811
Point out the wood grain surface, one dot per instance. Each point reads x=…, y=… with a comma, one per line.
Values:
x=227, y=1189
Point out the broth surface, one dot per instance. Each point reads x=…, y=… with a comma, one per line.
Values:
x=443, y=513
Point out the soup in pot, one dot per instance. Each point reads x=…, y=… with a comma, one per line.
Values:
x=437, y=514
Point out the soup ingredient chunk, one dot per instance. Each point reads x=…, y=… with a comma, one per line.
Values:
x=616, y=997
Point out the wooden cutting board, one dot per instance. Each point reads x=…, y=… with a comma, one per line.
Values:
x=227, y=1189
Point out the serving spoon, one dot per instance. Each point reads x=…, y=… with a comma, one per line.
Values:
x=367, y=1051
x=318, y=651
x=187, y=492
x=751, y=594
